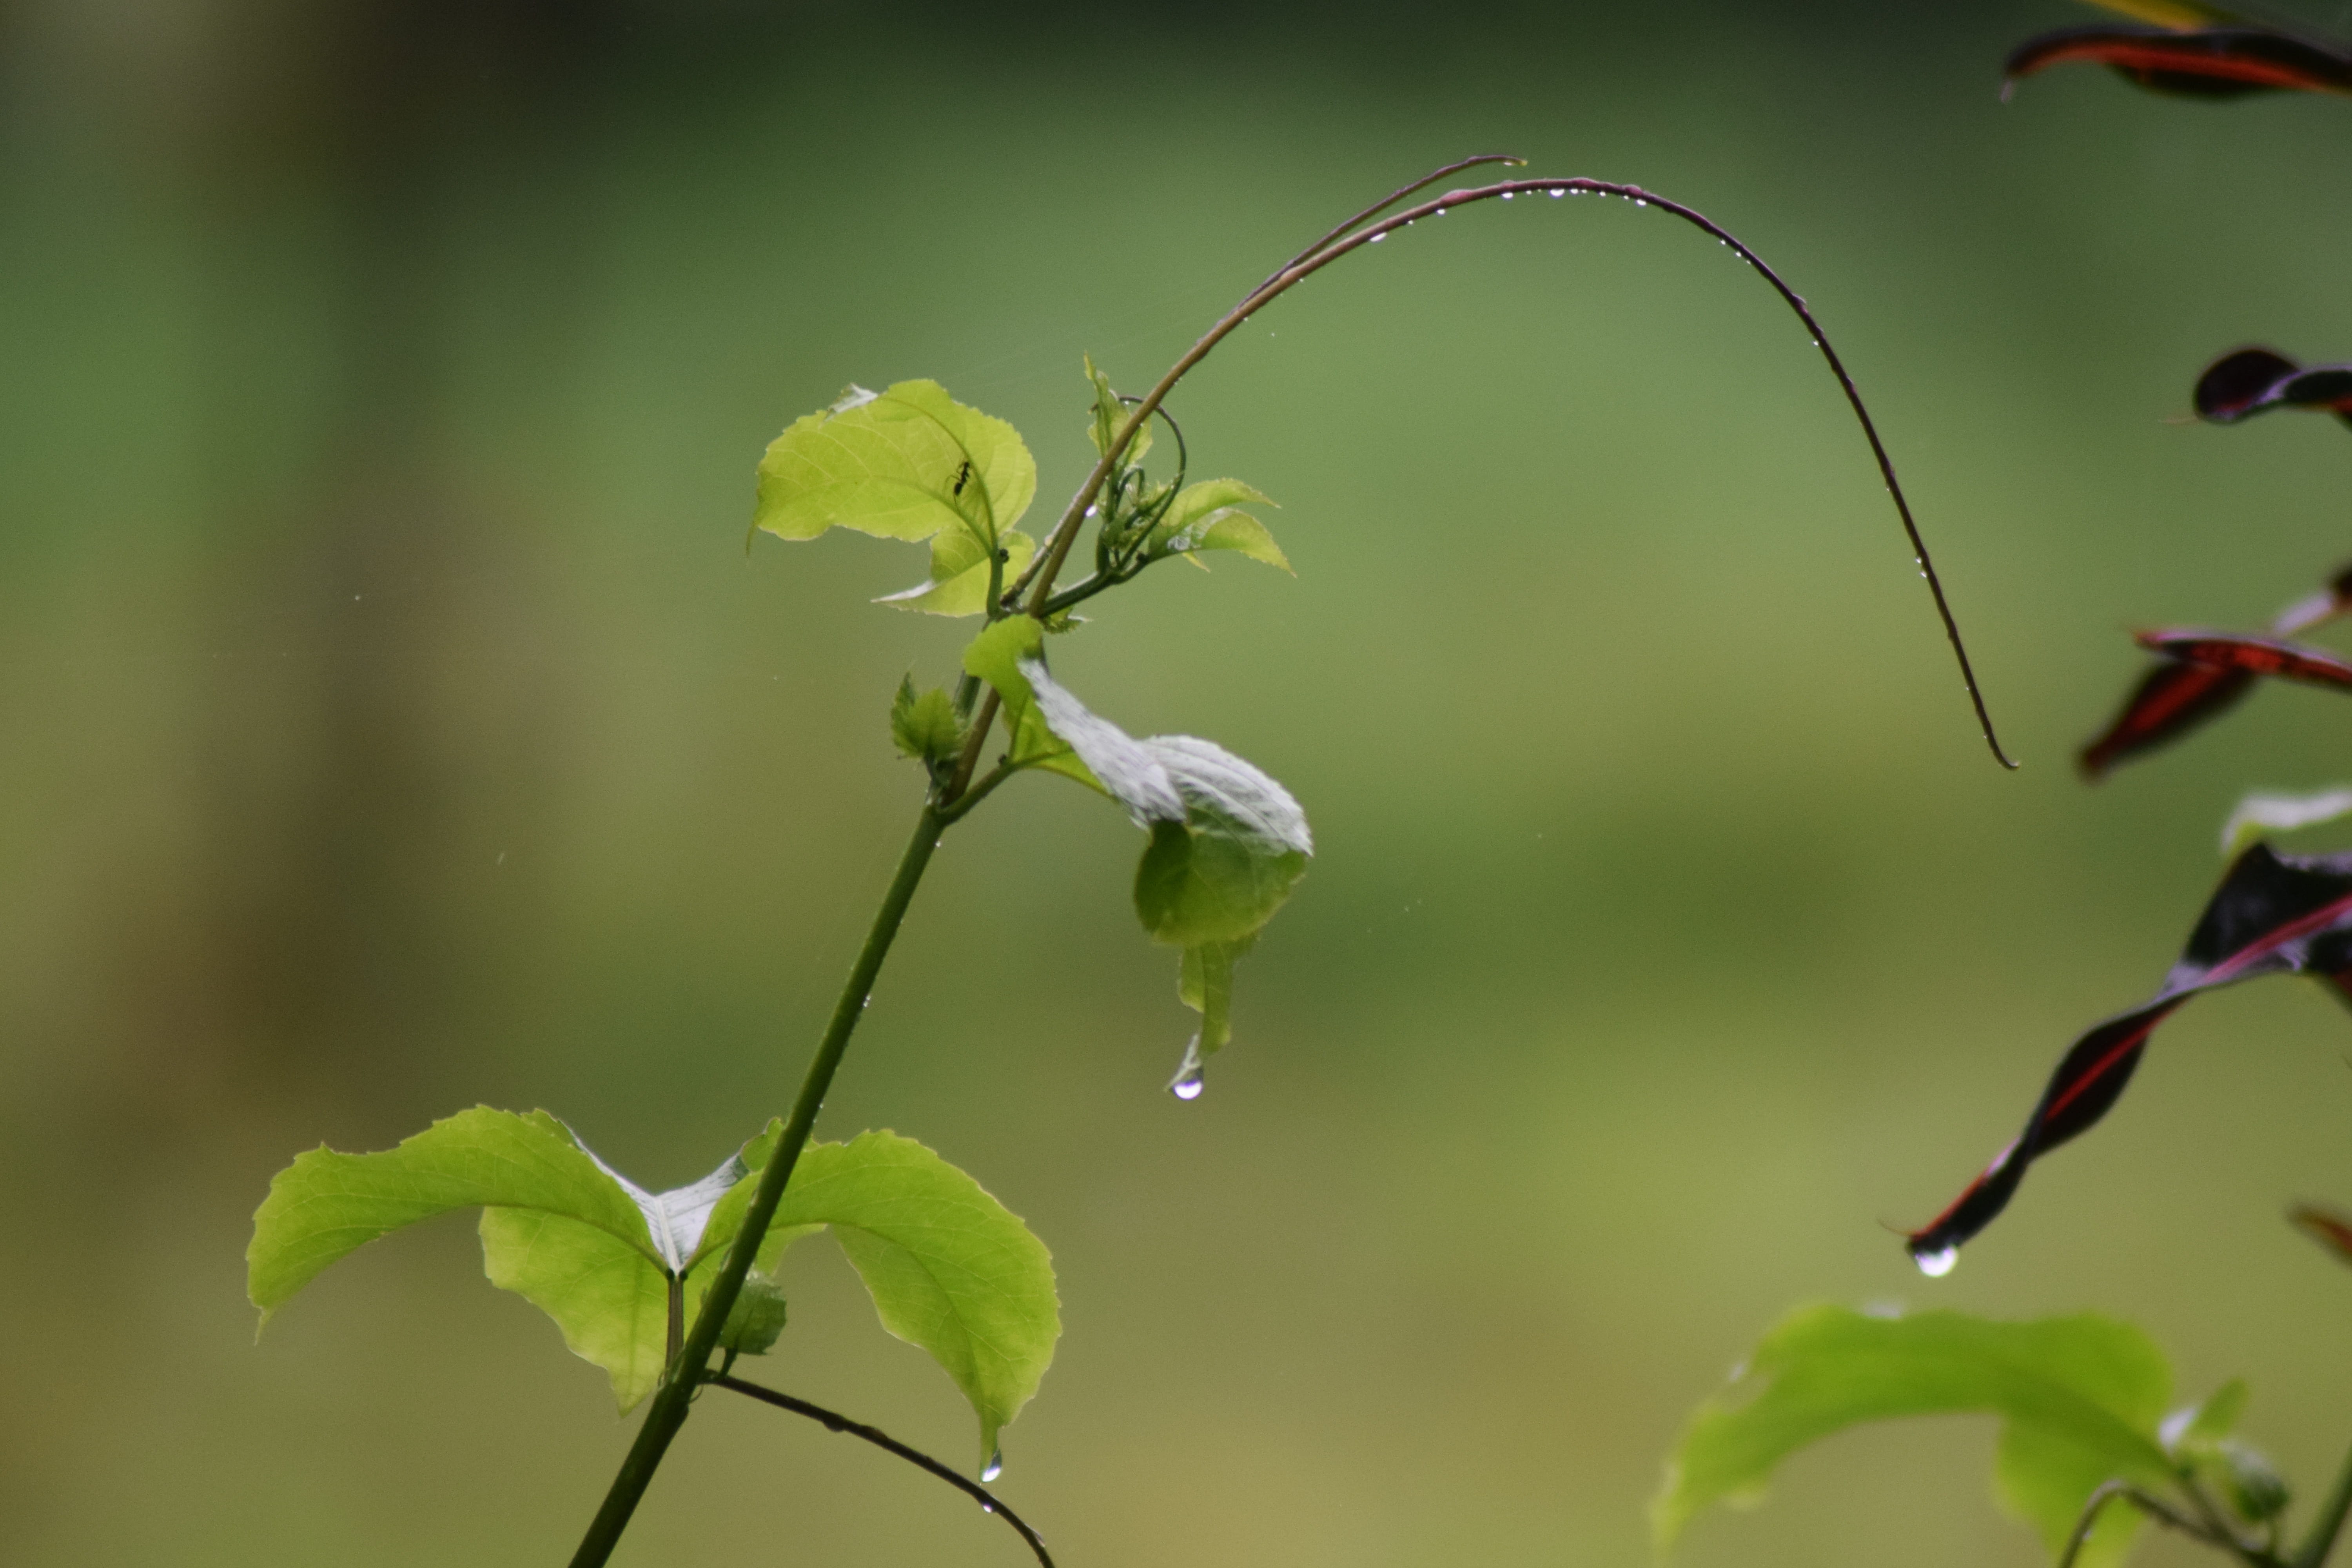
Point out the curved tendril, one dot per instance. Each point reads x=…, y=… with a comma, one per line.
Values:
x=1331, y=251
x=1383, y=204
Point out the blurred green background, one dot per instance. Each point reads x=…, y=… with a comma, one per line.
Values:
x=394, y=720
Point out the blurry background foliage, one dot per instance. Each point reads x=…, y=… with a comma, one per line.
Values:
x=393, y=721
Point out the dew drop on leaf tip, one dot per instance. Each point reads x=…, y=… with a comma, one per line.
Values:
x=993, y=1468
x=1935, y=1265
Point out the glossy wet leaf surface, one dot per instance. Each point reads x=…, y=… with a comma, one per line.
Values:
x=2272, y=914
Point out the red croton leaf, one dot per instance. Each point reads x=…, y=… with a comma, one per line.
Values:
x=2252, y=655
x=2203, y=62
x=2187, y=688
x=2254, y=381
x=2326, y=1226
x=2272, y=914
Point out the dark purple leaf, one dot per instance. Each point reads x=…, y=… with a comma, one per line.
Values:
x=2252, y=655
x=2178, y=693
x=2209, y=62
x=2254, y=381
x=2272, y=914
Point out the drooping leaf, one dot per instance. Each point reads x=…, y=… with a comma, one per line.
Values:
x=2272, y=656
x=950, y=1269
x=2176, y=695
x=1228, y=843
x=326, y=1204
x=958, y=584
x=2208, y=62
x=2079, y=1398
x=2272, y=914
x=907, y=463
x=2254, y=381
x=925, y=726
x=1210, y=516
x=2259, y=814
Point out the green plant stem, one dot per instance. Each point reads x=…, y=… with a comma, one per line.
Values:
x=2325, y=1529
x=836, y=1422
x=672, y=1401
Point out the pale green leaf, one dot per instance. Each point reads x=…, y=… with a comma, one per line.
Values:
x=907, y=463
x=325, y=1204
x=1210, y=516
x=950, y=1269
x=611, y=1301
x=2257, y=815
x=958, y=584
x=2079, y=1398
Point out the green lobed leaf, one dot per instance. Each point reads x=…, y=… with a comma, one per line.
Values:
x=2079, y=1397
x=925, y=726
x=958, y=584
x=906, y=463
x=1209, y=516
x=325, y=1204
x=950, y=1269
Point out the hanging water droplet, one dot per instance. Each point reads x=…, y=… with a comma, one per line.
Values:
x=1557, y=191
x=1377, y=237
x=1640, y=203
x=1506, y=196
x=994, y=1468
x=1441, y=212
x=1935, y=1265
x=1189, y=1081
